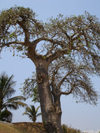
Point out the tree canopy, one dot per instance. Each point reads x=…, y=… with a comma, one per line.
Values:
x=65, y=51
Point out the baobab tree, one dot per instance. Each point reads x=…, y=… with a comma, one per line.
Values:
x=65, y=52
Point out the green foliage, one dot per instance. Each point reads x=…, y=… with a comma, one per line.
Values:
x=29, y=88
x=32, y=112
x=6, y=115
x=12, y=15
x=67, y=49
x=6, y=99
x=67, y=129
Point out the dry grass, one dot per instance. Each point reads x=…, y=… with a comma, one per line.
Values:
x=29, y=127
x=7, y=128
x=24, y=127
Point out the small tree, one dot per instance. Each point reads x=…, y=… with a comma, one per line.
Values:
x=32, y=112
x=6, y=99
x=65, y=51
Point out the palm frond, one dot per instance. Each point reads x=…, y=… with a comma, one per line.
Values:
x=38, y=114
x=8, y=102
x=15, y=104
x=32, y=112
x=28, y=114
x=6, y=85
x=37, y=109
x=16, y=98
x=10, y=106
x=6, y=115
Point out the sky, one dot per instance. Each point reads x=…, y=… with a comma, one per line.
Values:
x=77, y=115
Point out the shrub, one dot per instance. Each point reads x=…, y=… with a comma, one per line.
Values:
x=67, y=129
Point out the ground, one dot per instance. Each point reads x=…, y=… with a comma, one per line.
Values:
x=23, y=127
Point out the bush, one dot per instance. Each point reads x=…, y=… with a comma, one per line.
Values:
x=67, y=129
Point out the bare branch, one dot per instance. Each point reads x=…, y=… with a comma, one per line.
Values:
x=61, y=82
x=57, y=54
x=77, y=37
x=67, y=93
x=14, y=42
x=27, y=35
x=66, y=34
x=87, y=43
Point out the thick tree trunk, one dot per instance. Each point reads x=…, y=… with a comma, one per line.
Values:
x=58, y=112
x=0, y=105
x=1, y=100
x=50, y=116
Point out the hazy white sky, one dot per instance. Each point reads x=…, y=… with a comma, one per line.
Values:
x=81, y=115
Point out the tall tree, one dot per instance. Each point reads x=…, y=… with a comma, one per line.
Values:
x=65, y=52
x=6, y=99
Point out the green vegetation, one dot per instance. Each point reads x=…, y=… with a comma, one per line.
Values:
x=32, y=112
x=67, y=129
x=26, y=127
x=65, y=51
x=6, y=100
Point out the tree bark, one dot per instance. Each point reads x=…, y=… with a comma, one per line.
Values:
x=1, y=100
x=58, y=111
x=50, y=116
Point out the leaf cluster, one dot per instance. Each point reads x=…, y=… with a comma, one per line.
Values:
x=69, y=45
x=32, y=112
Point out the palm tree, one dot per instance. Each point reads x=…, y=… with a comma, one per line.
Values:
x=32, y=112
x=6, y=100
x=6, y=115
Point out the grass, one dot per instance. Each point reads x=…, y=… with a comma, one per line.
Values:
x=23, y=127
x=7, y=128
x=29, y=127
x=67, y=129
